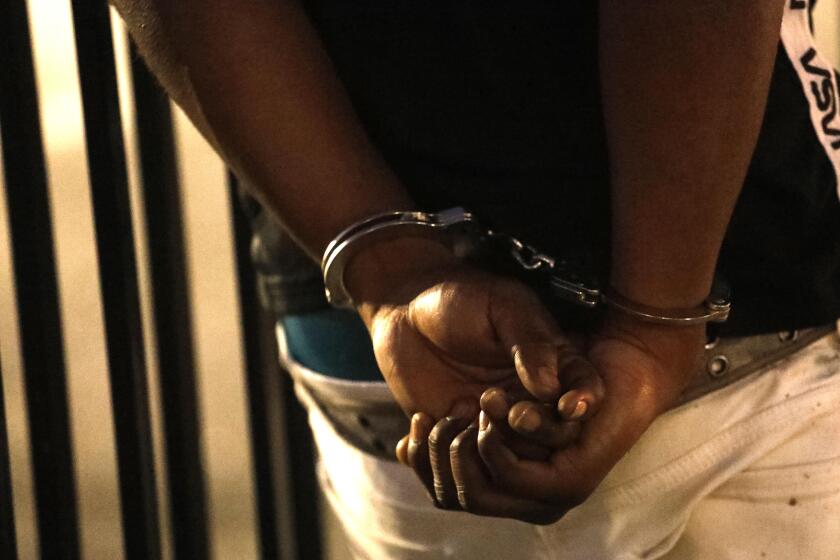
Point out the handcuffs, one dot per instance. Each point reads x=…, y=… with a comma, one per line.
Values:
x=461, y=232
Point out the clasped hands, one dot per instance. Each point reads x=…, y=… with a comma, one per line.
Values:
x=511, y=417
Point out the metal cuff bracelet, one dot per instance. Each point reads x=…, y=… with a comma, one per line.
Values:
x=459, y=230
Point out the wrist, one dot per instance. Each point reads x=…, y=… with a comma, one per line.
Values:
x=715, y=308
x=393, y=272
x=664, y=291
x=662, y=275
x=667, y=356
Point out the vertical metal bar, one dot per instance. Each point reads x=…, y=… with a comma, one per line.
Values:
x=37, y=290
x=295, y=449
x=307, y=513
x=164, y=227
x=118, y=278
x=8, y=539
x=255, y=370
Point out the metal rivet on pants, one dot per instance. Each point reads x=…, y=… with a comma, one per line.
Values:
x=717, y=366
x=788, y=336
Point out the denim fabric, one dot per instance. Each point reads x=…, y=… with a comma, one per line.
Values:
x=334, y=342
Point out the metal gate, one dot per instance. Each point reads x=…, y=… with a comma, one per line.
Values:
x=287, y=514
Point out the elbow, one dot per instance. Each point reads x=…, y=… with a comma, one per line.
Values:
x=146, y=25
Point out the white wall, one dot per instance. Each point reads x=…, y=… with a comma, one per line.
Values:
x=212, y=289
x=827, y=28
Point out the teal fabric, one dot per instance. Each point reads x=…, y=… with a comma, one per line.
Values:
x=333, y=342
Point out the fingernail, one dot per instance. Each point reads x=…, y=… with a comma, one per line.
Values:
x=483, y=421
x=463, y=409
x=399, y=450
x=419, y=427
x=548, y=376
x=580, y=410
x=494, y=402
x=529, y=420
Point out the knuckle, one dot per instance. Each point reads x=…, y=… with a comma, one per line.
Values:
x=445, y=503
x=466, y=500
x=456, y=448
x=490, y=446
x=413, y=461
x=437, y=437
x=455, y=451
x=440, y=493
x=439, y=505
x=485, y=442
x=473, y=501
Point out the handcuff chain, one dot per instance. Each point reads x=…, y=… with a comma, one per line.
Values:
x=445, y=226
x=525, y=255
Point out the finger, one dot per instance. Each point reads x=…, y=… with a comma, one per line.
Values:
x=417, y=451
x=497, y=456
x=495, y=404
x=442, y=436
x=471, y=481
x=439, y=440
x=496, y=401
x=584, y=390
x=532, y=480
x=476, y=493
x=540, y=425
x=539, y=348
x=518, y=315
x=538, y=365
x=401, y=450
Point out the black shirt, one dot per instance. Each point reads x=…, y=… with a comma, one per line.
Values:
x=496, y=107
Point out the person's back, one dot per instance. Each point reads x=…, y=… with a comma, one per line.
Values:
x=498, y=110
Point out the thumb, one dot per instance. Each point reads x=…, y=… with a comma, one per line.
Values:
x=527, y=330
x=518, y=315
x=550, y=370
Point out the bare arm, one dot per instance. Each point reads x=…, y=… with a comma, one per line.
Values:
x=685, y=85
x=254, y=78
x=253, y=75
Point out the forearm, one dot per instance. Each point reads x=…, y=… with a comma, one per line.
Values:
x=155, y=45
x=684, y=86
x=254, y=78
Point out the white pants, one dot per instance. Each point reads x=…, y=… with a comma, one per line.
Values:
x=751, y=471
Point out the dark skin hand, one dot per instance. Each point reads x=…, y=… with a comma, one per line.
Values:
x=470, y=330
x=522, y=460
x=684, y=85
x=254, y=78
x=531, y=429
